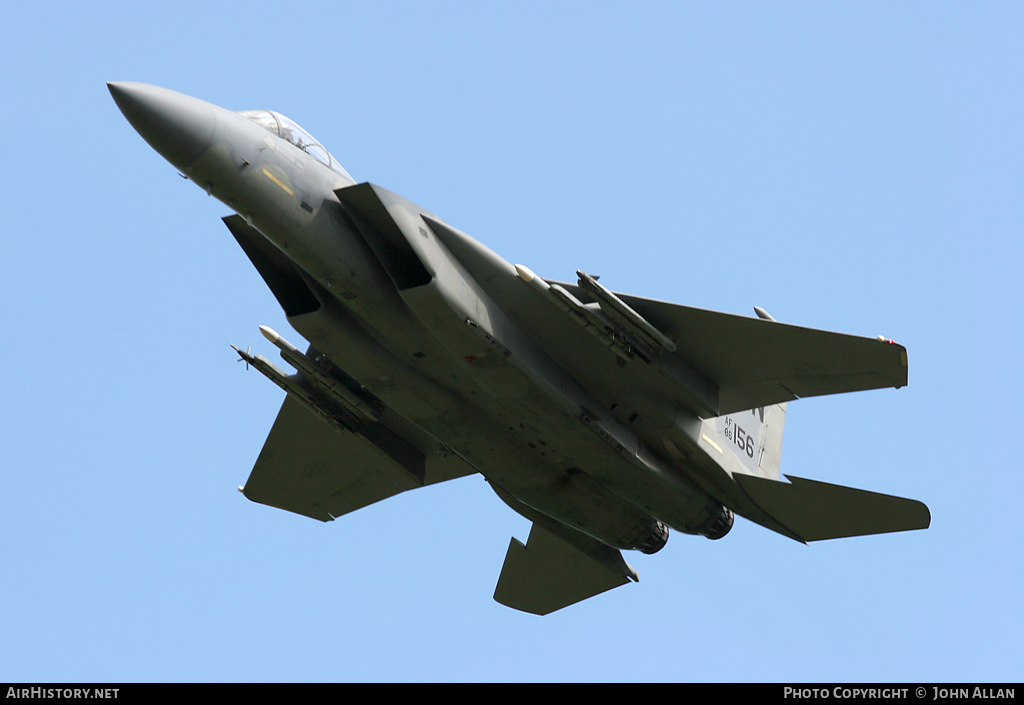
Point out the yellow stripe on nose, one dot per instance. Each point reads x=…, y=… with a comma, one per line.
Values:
x=278, y=182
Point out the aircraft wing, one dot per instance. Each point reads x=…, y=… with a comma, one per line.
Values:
x=757, y=363
x=310, y=468
x=721, y=363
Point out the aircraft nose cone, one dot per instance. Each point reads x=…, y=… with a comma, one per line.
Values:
x=178, y=126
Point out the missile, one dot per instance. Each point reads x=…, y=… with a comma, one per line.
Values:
x=325, y=396
x=629, y=320
x=627, y=332
x=294, y=387
x=614, y=323
x=320, y=378
x=591, y=321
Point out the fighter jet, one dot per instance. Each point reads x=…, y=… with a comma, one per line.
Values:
x=603, y=418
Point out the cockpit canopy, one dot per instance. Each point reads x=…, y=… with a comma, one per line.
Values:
x=289, y=130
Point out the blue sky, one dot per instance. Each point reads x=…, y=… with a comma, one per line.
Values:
x=850, y=166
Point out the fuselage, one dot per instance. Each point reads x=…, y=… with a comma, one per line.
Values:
x=436, y=346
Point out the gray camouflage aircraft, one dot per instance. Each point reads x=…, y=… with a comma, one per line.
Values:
x=605, y=419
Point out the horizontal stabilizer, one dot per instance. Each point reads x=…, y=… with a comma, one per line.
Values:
x=817, y=510
x=548, y=574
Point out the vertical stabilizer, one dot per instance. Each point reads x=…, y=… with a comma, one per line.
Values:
x=748, y=442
